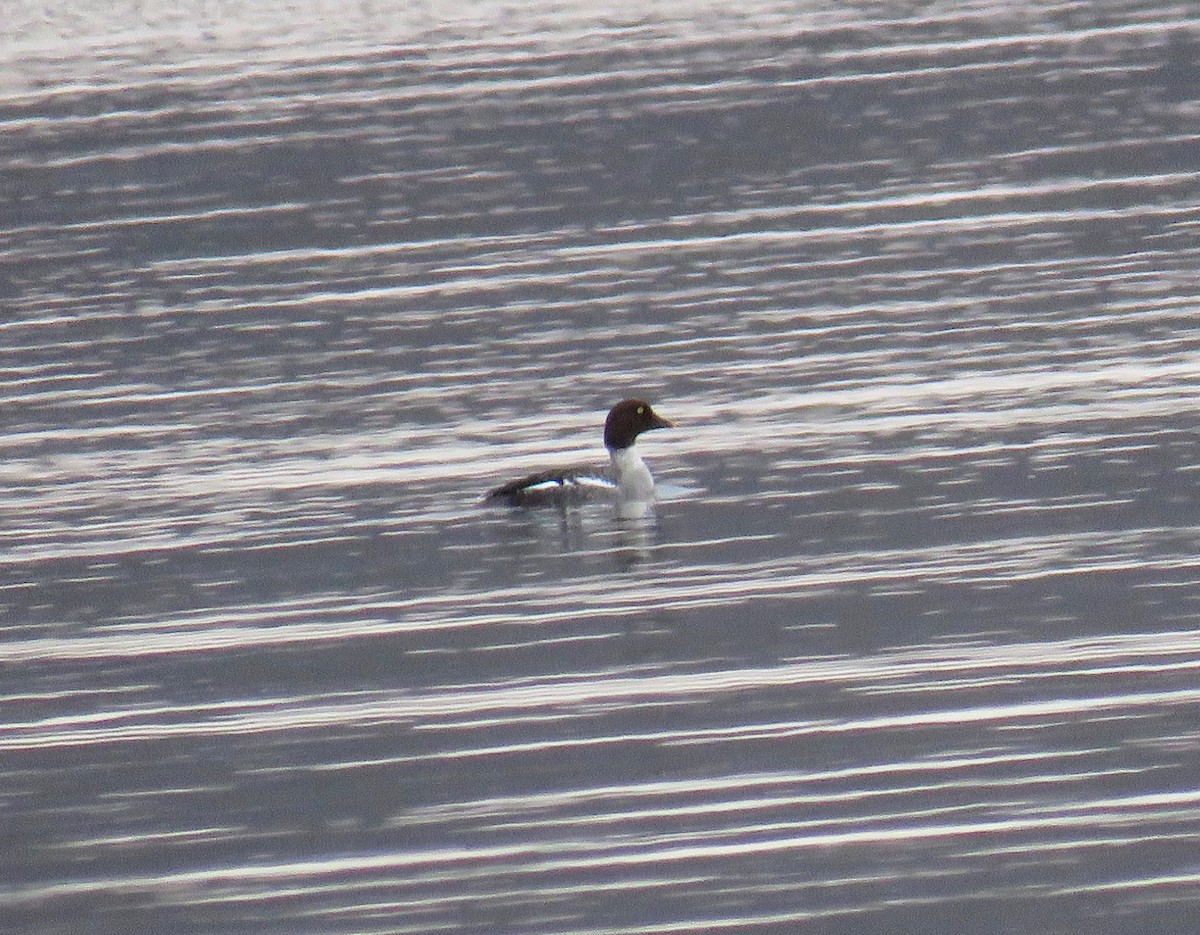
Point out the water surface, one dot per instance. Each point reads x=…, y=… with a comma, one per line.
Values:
x=284, y=298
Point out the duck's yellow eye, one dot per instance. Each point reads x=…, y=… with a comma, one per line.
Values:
x=641, y=410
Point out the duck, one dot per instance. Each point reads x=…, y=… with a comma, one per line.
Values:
x=627, y=481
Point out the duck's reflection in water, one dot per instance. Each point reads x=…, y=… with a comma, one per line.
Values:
x=585, y=535
x=636, y=541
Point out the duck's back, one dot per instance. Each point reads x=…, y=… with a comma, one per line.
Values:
x=559, y=486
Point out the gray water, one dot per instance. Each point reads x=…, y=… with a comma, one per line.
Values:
x=282, y=297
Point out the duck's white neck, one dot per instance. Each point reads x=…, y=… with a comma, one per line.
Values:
x=635, y=486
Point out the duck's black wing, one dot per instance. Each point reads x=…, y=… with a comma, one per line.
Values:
x=556, y=487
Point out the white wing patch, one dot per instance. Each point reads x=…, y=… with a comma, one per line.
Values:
x=591, y=482
x=569, y=482
x=544, y=486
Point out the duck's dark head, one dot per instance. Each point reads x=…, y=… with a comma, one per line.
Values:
x=627, y=420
